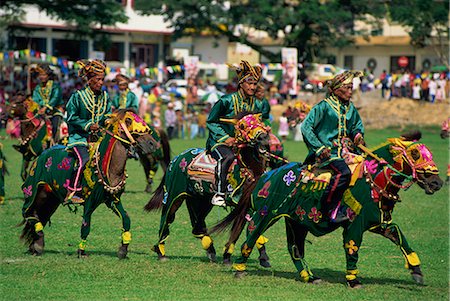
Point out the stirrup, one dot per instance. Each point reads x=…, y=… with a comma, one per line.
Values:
x=72, y=198
x=218, y=200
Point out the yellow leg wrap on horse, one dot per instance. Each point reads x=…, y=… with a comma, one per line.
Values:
x=38, y=227
x=206, y=242
x=412, y=260
x=152, y=174
x=126, y=237
x=246, y=251
x=230, y=249
x=162, y=249
x=351, y=274
x=239, y=267
x=304, y=275
x=2, y=200
x=82, y=245
x=261, y=241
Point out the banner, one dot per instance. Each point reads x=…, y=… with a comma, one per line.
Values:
x=191, y=66
x=290, y=71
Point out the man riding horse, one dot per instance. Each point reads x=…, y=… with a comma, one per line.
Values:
x=87, y=110
x=221, y=135
x=125, y=99
x=48, y=95
x=326, y=129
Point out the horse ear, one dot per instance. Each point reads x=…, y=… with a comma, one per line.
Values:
x=128, y=121
x=414, y=135
x=415, y=154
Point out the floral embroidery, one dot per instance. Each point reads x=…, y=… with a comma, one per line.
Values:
x=264, y=191
x=66, y=184
x=65, y=164
x=264, y=211
x=55, y=184
x=289, y=178
x=352, y=248
x=315, y=215
x=28, y=191
x=48, y=164
x=251, y=226
x=351, y=214
x=300, y=212
x=183, y=164
x=371, y=166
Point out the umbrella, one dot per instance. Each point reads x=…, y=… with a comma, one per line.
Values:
x=440, y=68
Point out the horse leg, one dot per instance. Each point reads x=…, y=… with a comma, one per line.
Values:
x=118, y=209
x=296, y=235
x=85, y=228
x=394, y=234
x=36, y=218
x=256, y=227
x=167, y=218
x=150, y=167
x=198, y=210
x=263, y=257
x=352, y=236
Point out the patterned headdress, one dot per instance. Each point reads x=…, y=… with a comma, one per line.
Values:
x=342, y=79
x=121, y=79
x=90, y=68
x=245, y=71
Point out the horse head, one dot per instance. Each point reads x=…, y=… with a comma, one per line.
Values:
x=416, y=160
x=132, y=130
x=251, y=131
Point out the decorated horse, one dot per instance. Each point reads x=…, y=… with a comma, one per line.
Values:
x=294, y=192
x=190, y=177
x=161, y=156
x=103, y=181
x=35, y=129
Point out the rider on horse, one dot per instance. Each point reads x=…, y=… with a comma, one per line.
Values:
x=326, y=129
x=125, y=99
x=221, y=135
x=48, y=95
x=87, y=110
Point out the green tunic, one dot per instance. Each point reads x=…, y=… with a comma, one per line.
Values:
x=327, y=123
x=126, y=100
x=49, y=96
x=266, y=111
x=228, y=107
x=83, y=109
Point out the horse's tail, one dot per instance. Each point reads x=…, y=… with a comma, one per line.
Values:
x=27, y=234
x=155, y=202
x=237, y=215
x=165, y=147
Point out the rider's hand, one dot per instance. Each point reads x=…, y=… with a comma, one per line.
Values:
x=359, y=139
x=325, y=154
x=42, y=111
x=94, y=127
x=230, y=141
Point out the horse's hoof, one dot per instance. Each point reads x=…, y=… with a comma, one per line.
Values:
x=148, y=188
x=82, y=254
x=123, y=251
x=418, y=278
x=163, y=258
x=265, y=263
x=240, y=274
x=227, y=259
x=355, y=283
x=314, y=280
x=38, y=244
x=211, y=254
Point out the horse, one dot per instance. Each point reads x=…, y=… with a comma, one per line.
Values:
x=103, y=181
x=190, y=177
x=36, y=131
x=294, y=192
x=161, y=156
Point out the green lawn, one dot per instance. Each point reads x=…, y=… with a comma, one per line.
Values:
x=60, y=275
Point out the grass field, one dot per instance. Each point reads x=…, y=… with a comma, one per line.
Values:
x=60, y=275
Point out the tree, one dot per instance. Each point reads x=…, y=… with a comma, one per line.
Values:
x=83, y=15
x=310, y=26
x=427, y=22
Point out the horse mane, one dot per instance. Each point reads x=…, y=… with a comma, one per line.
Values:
x=241, y=114
x=120, y=114
x=413, y=135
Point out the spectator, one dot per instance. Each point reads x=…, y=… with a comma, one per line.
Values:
x=201, y=118
x=170, y=119
x=416, y=92
x=283, y=129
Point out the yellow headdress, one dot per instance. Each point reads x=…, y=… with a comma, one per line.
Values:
x=246, y=71
x=121, y=79
x=342, y=79
x=91, y=68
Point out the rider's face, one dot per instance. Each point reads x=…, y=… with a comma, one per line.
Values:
x=259, y=93
x=96, y=83
x=123, y=86
x=43, y=77
x=249, y=87
x=344, y=93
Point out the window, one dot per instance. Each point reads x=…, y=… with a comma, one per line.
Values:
x=348, y=62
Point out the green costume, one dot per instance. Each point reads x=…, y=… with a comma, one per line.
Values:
x=126, y=100
x=84, y=109
x=228, y=107
x=49, y=96
x=327, y=124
